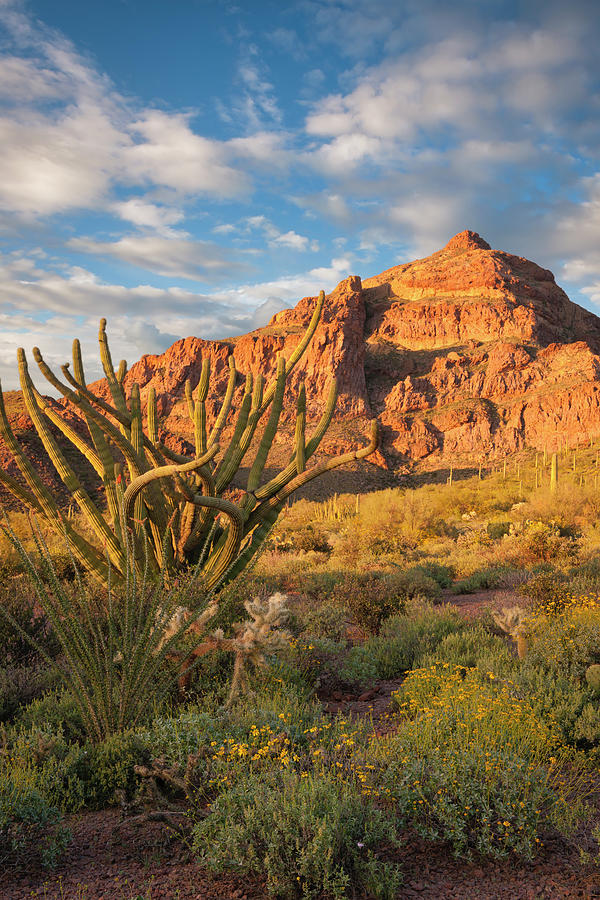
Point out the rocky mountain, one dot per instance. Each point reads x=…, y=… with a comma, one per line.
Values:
x=468, y=353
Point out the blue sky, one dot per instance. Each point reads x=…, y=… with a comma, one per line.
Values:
x=191, y=167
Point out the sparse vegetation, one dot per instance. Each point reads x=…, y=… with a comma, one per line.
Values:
x=482, y=751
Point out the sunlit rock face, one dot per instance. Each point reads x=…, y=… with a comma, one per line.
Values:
x=467, y=353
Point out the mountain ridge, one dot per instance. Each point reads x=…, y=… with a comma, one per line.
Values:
x=467, y=353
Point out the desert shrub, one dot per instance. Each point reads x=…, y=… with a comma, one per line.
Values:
x=443, y=575
x=327, y=619
x=546, y=542
x=566, y=644
x=402, y=643
x=481, y=580
x=370, y=598
x=497, y=530
x=109, y=768
x=22, y=623
x=29, y=823
x=481, y=800
x=547, y=591
x=20, y=684
x=475, y=764
x=72, y=775
x=309, y=836
x=57, y=711
x=374, y=597
x=311, y=537
x=474, y=647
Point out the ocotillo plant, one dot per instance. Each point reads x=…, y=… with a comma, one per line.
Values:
x=174, y=504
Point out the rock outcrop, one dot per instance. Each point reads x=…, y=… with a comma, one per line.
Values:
x=468, y=353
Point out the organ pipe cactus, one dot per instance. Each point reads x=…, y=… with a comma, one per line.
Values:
x=172, y=503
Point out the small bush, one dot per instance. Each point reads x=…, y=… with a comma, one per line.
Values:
x=401, y=644
x=308, y=835
x=20, y=684
x=28, y=822
x=481, y=800
x=548, y=593
x=328, y=620
x=475, y=647
x=497, y=530
x=441, y=574
x=482, y=580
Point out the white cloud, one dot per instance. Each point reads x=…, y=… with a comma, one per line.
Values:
x=148, y=215
x=172, y=155
x=175, y=257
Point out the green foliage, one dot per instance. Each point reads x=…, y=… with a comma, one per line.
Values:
x=29, y=823
x=328, y=619
x=474, y=647
x=483, y=800
x=402, y=643
x=481, y=580
x=497, y=530
x=308, y=835
x=373, y=597
x=57, y=711
x=592, y=676
x=20, y=684
x=442, y=574
x=477, y=765
x=114, y=642
x=548, y=592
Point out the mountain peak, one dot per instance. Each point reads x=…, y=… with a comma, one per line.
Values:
x=467, y=240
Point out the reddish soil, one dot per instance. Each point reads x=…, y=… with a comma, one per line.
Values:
x=110, y=859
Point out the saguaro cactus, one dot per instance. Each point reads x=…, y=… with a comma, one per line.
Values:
x=174, y=507
x=554, y=473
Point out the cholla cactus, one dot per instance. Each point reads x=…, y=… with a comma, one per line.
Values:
x=513, y=621
x=264, y=632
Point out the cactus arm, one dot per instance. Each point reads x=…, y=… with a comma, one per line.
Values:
x=220, y=561
x=273, y=486
x=256, y=541
x=189, y=399
x=80, y=402
x=270, y=429
x=122, y=371
x=226, y=405
x=299, y=351
x=152, y=414
x=103, y=450
x=122, y=418
x=20, y=492
x=300, y=431
x=84, y=448
x=104, y=534
x=163, y=472
x=325, y=419
x=300, y=480
x=44, y=501
x=200, y=409
x=115, y=387
x=227, y=467
x=137, y=442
